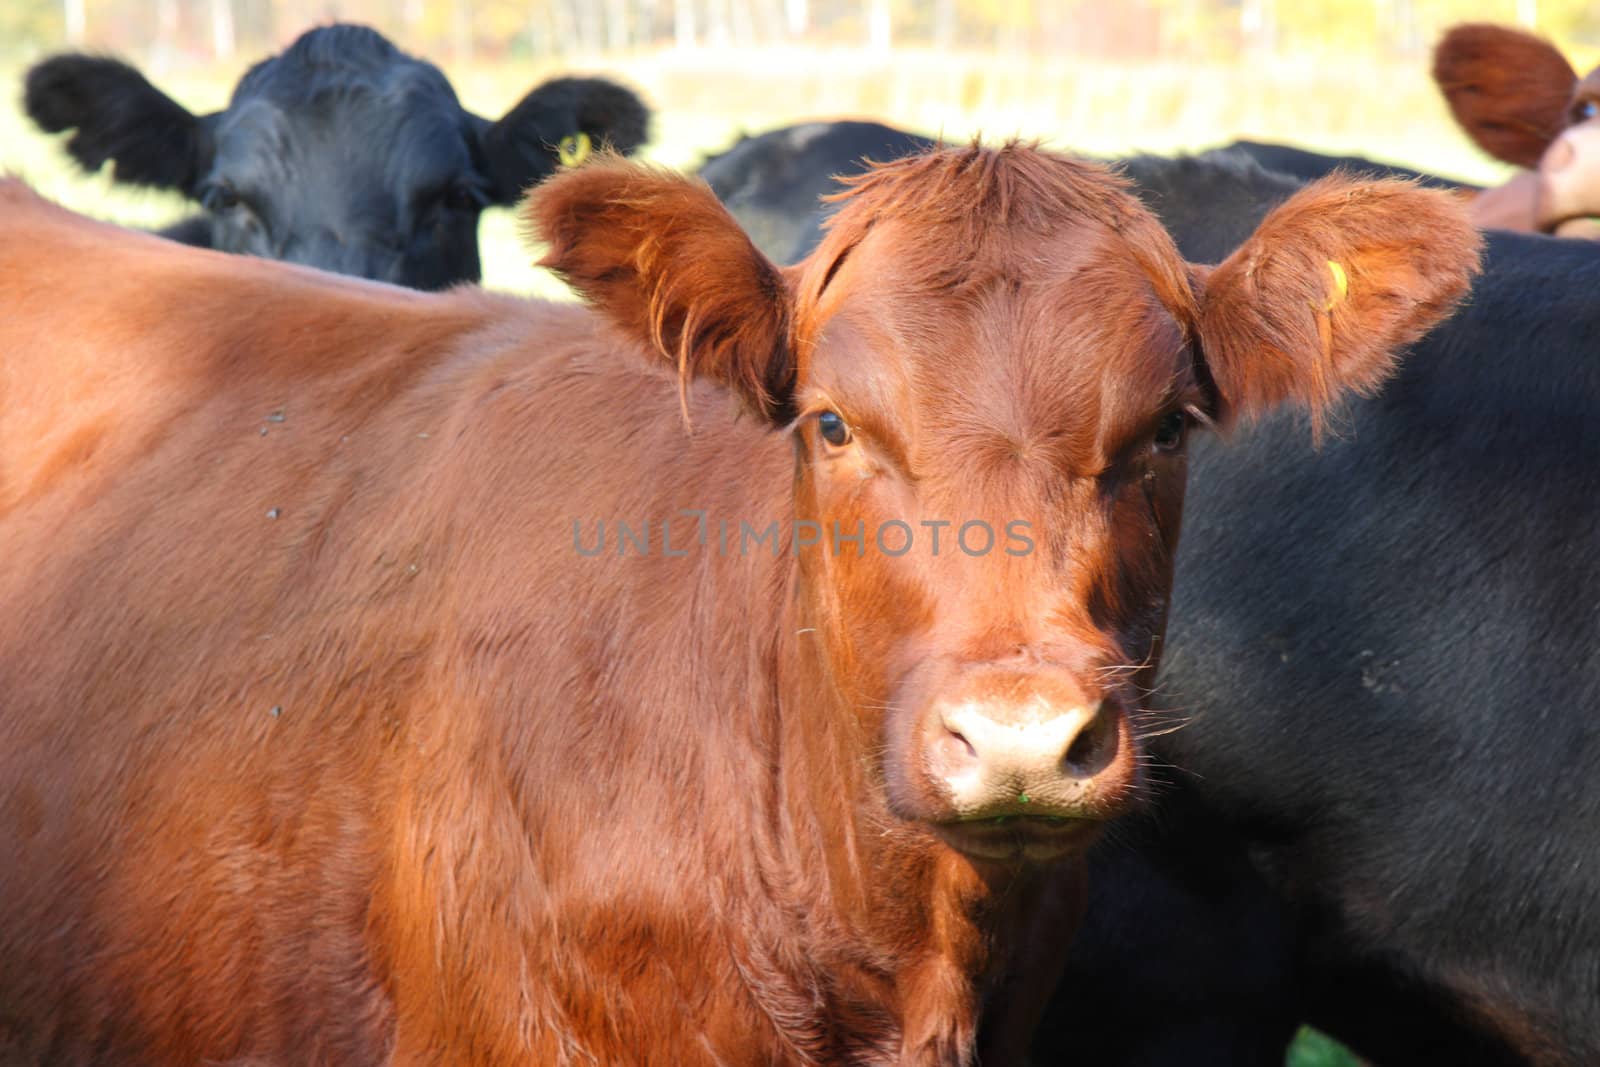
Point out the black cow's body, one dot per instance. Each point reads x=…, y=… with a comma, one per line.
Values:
x=1384, y=816
x=1306, y=165
x=773, y=182
x=342, y=152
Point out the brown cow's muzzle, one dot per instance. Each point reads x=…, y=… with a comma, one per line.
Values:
x=1561, y=197
x=1026, y=765
x=1569, y=177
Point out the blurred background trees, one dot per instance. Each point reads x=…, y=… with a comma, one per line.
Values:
x=1102, y=77
x=180, y=31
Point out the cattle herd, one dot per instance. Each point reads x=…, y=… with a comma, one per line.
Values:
x=788, y=654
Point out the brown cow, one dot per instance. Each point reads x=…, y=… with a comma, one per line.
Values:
x=322, y=740
x=1519, y=100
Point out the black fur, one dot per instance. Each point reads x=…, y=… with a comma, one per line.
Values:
x=115, y=114
x=342, y=152
x=772, y=182
x=1383, y=813
x=1307, y=165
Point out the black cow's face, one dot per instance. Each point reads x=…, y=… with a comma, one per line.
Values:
x=341, y=153
x=375, y=176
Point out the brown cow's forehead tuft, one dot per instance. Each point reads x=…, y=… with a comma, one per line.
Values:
x=1017, y=183
x=961, y=214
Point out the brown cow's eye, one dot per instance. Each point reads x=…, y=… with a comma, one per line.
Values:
x=1169, y=433
x=1584, y=110
x=833, y=428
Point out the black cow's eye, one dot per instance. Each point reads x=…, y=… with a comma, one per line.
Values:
x=1585, y=110
x=833, y=428
x=219, y=196
x=1169, y=432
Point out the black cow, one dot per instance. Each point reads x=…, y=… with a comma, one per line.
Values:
x=773, y=182
x=1382, y=815
x=343, y=152
x=1306, y=165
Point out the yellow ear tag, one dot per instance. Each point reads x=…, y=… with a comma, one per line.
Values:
x=574, y=148
x=1341, y=285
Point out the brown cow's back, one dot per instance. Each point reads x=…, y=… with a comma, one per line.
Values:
x=348, y=637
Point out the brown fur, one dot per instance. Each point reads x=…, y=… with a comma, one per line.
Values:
x=1508, y=89
x=320, y=744
x=1279, y=288
x=656, y=256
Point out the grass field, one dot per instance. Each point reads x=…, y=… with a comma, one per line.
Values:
x=704, y=99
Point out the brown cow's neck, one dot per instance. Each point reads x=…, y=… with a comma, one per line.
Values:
x=903, y=925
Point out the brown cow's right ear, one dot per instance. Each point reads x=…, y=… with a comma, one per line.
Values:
x=1315, y=302
x=660, y=256
x=1508, y=89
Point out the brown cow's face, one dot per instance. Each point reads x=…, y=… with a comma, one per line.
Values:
x=1037, y=429
x=1569, y=170
x=999, y=348
x=1519, y=100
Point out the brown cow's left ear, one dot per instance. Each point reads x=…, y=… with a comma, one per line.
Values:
x=1334, y=280
x=1508, y=89
x=660, y=256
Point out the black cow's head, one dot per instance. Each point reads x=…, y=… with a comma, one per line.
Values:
x=343, y=152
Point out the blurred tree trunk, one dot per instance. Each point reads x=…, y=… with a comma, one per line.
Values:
x=461, y=31
x=541, y=36
x=1398, y=21
x=566, y=26
x=165, y=48
x=743, y=22
x=717, y=30
x=618, y=32
x=879, y=25
x=223, y=43
x=1258, y=24
x=683, y=23
x=944, y=23
x=73, y=15
x=588, y=25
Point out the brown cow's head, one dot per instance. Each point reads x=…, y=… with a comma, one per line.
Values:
x=1005, y=342
x=1519, y=100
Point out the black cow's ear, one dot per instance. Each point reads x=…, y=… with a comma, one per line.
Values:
x=118, y=115
x=559, y=124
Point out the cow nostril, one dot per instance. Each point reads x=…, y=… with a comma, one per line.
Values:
x=955, y=751
x=962, y=746
x=1095, y=747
